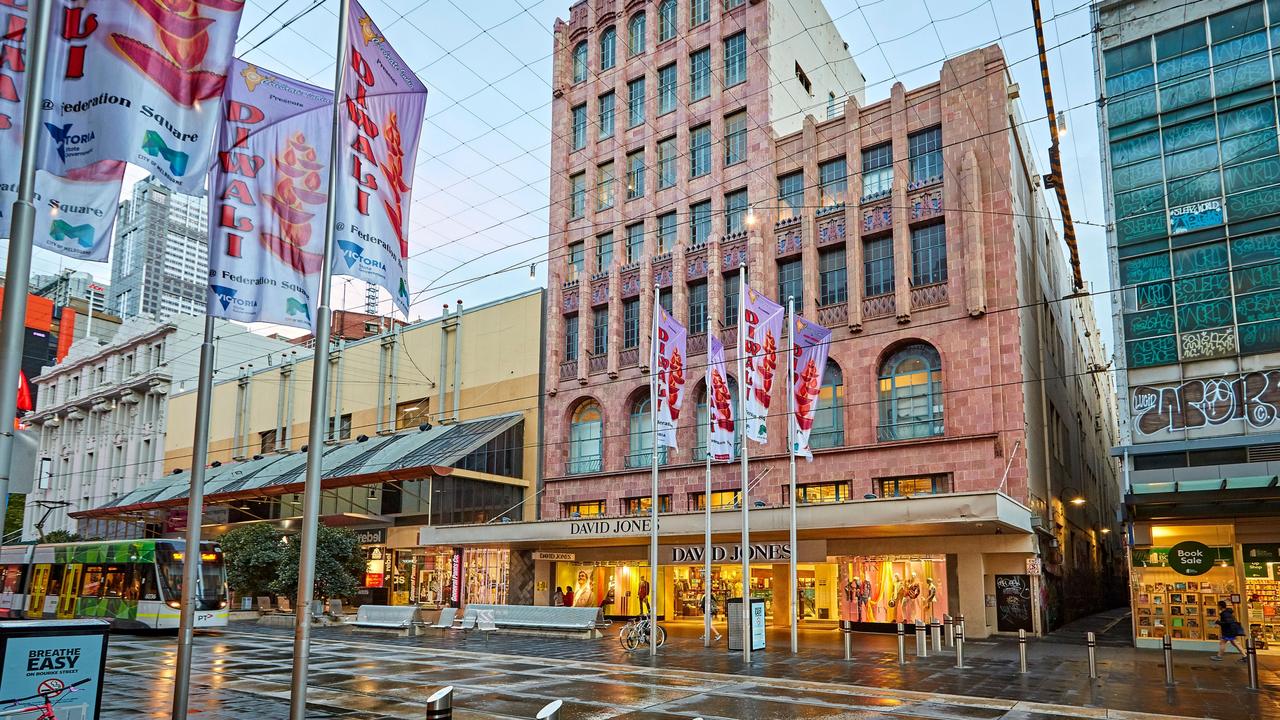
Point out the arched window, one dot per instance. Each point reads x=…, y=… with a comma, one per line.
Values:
x=580, y=63
x=608, y=48
x=911, y=393
x=700, y=450
x=586, y=438
x=635, y=34
x=640, y=434
x=666, y=20
x=828, y=421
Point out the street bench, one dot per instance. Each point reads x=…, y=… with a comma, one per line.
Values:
x=399, y=619
x=559, y=620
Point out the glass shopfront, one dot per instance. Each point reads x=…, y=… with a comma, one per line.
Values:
x=425, y=576
x=1177, y=582
x=1262, y=594
x=877, y=592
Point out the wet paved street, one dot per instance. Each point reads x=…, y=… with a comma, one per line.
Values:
x=244, y=673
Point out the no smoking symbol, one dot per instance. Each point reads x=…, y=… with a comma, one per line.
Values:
x=52, y=686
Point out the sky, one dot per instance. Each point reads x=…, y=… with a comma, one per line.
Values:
x=479, y=215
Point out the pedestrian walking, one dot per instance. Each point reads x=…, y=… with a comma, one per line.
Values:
x=1229, y=633
x=712, y=612
x=557, y=598
x=643, y=595
x=568, y=596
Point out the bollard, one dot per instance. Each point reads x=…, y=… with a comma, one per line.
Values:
x=848, y=647
x=1251, y=654
x=1168, y=661
x=440, y=704
x=935, y=630
x=1022, y=652
x=959, y=641
x=951, y=630
x=922, y=642
x=551, y=711
x=902, y=644
x=1092, y=642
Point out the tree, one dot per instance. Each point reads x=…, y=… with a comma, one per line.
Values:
x=253, y=556
x=339, y=563
x=62, y=536
x=14, y=513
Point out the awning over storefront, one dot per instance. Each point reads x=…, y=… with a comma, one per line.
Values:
x=1210, y=491
x=365, y=461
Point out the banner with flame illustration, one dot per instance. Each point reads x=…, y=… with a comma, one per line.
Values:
x=267, y=198
x=719, y=404
x=762, y=338
x=380, y=129
x=670, y=358
x=139, y=81
x=809, y=360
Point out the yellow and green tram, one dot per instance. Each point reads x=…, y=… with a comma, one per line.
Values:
x=135, y=584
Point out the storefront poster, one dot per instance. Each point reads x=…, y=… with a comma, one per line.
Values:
x=670, y=352
x=808, y=362
x=757, y=625
x=762, y=328
x=720, y=412
x=55, y=663
x=1013, y=603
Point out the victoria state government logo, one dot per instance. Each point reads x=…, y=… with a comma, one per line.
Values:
x=227, y=298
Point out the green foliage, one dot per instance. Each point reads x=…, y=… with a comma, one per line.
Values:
x=253, y=555
x=13, y=516
x=62, y=536
x=339, y=564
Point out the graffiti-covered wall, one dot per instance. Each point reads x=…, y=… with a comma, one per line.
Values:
x=1230, y=404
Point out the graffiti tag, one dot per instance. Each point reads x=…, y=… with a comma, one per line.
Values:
x=1253, y=397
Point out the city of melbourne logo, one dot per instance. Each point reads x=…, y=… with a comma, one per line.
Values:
x=227, y=298
x=67, y=142
x=295, y=307
x=61, y=231
x=353, y=254
x=154, y=145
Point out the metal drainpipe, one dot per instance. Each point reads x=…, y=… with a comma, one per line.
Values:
x=382, y=386
x=288, y=424
x=444, y=367
x=337, y=391
x=395, y=372
x=457, y=361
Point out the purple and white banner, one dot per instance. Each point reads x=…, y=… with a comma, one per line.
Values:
x=670, y=351
x=267, y=198
x=719, y=405
x=762, y=321
x=808, y=361
x=380, y=129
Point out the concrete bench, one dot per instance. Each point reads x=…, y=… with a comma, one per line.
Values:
x=400, y=619
x=557, y=620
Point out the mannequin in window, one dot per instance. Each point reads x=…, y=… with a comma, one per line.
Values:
x=930, y=599
x=911, y=611
x=896, y=593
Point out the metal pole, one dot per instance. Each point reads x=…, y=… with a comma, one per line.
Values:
x=951, y=630
x=1251, y=655
x=935, y=630
x=902, y=644
x=195, y=516
x=959, y=630
x=743, y=499
x=848, y=646
x=1168, y=660
x=1092, y=642
x=319, y=398
x=707, y=600
x=653, y=495
x=791, y=483
x=922, y=642
x=22, y=227
x=1022, y=651
x=440, y=704
x=88, y=325
x=551, y=711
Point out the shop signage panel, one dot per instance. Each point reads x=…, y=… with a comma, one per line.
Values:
x=375, y=536
x=1257, y=570
x=1159, y=557
x=1191, y=558
x=1261, y=552
x=765, y=552
x=1033, y=566
x=1195, y=216
x=602, y=528
x=54, y=664
x=555, y=556
x=455, y=584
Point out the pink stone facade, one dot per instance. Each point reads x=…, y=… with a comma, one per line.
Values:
x=966, y=318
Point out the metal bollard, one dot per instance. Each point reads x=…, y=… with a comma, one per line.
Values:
x=1022, y=652
x=1092, y=642
x=848, y=647
x=935, y=630
x=959, y=641
x=951, y=630
x=902, y=644
x=1168, y=660
x=551, y=711
x=440, y=704
x=922, y=641
x=1251, y=654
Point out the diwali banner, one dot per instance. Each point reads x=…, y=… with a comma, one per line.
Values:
x=808, y=360
x=267, y=198
x=384, y=103
x=139, y=81
x=762, y=332
x=719, y=405
x=670, y=349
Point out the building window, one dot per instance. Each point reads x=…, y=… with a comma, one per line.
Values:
x=644, y=505
x=735, y=211
x=571, y=338
x=344, y=427
x=828, y=420
x=731, y=4
x=791, y=282
x=631, y=324
x=925, y=151
x=827, y=492
x=604, y=186
x=635, y=34
x=580, y=63
x=911, y=394
x=699, y=74
x=604, y=252
x=666, y=20
x=732, y=286
x=641, y=436
x=666, y=232
x=667, y=163
x=877, y=260
x=735, y=59
x=666, y=89
x=720, y=500
x=606, y=115
x=833, y=277
x=586, y=438
x=698, y=308
x=833, y=109
x=635, y=175
x=919, y=485
x=735, y=138
x=413, y=413
x=577, y=259
x=584, y=508
x=929, y=255
x=608, y=48
x=664, y=299
x=700, y=151
x=877, y=170
x=790, y=195
x=266, y=444
x=635, y=102
x=833, y=176
x=600, y=331
x=699, y=223
x=577, y=195
x=699, y=12
x=635, y=242
x=579, y=127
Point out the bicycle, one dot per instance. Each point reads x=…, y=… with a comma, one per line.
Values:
x=46, y=691
x=636, y=634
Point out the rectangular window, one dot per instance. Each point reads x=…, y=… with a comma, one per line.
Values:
x=833, y=176
x=790, y=195
x=735, y=211
x=604, y=186
x=667, y=163
x=698, y=308
x=577, y=195
x=631, y=324
x=600, y=331
x=735, y=59
x=720, y=499
x=791, y=282
x=699, y=74
x=699, y=223
x=735, y=138
x=604, y=252
x=833, y=277
x=577, y=259
x=699, y=12
x=700, y=151
x=635, y=242
x=666, y=89
x=929, y=255
x=922, y=485
x=878, y=261
x=664, y=299
x=579, y=127
x=583, y=509
x=635, y=175
x=635, y=102
x=925, y=151
x=644, y=505
x=827, y=492
x=731, y=290
x=606, y=115
x=571, y=338
x=666, y=232
x=877, y=170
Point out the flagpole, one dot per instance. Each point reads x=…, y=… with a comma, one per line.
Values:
x=319, y=400
x=745, y=491
x=706, y=504
x=791, y=443
x=653, y=497
x=22, y=227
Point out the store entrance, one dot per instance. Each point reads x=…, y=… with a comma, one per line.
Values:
x=688, y=584
x=1262, y=593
